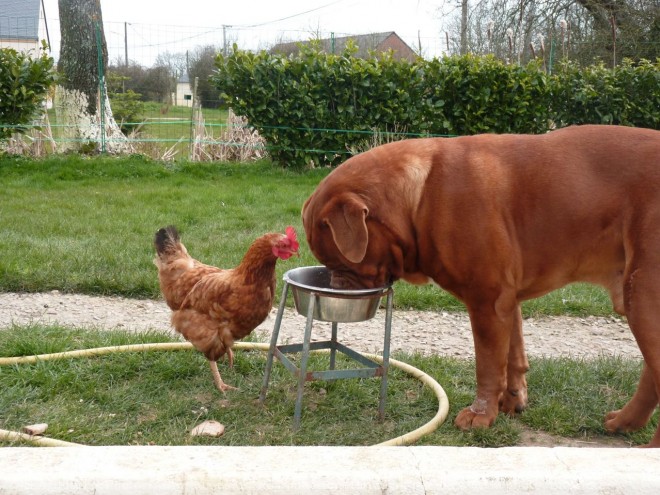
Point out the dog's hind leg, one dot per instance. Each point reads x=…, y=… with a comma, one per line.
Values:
x=637, y=412
x=642, y=299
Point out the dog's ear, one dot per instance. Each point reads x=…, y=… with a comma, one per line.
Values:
x=348, y=223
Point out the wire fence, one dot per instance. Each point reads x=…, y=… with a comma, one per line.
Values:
x=174, y=111
x=177, y=112
x=177, y=115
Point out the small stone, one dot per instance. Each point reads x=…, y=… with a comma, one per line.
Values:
x=36, y=429
x=209, y=428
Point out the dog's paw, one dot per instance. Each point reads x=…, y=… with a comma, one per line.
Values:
x=467, y=419
x=620, y=421
x=514, y=401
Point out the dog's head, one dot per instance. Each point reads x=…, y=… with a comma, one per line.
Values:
x=344, y=236
x=352, y=227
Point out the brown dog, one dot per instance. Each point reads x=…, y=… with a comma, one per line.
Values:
x=496, y=220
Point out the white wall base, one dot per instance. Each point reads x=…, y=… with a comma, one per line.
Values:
x=328, y=470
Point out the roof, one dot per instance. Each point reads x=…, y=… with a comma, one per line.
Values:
x=364, y=42
x=19, y=19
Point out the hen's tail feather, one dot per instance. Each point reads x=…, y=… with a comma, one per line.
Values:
x=166, y=240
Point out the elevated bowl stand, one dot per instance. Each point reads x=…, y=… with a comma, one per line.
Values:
x=370, y=368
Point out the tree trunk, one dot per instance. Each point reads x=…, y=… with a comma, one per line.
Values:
x=82, y=65
x=464, y=27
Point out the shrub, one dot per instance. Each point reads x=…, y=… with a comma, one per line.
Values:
x=314, y=107
x=24, y=83
x=473, y=94
x=127, y=109
x=629, y=95
x=310, y=108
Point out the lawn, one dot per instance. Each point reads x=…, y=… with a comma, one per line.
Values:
x=86, y=225
x=156, y=398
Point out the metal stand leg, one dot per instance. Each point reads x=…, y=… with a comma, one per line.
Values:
x=303, y=362
x=273, y=344
x=386, y=356
x=333, y=344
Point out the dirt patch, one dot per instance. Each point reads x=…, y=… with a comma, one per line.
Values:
x=533, y=438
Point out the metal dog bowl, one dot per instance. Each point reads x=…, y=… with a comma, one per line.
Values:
x=341, y=306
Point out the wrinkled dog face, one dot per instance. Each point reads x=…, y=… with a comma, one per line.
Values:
x=357, y=221
x=343, y=238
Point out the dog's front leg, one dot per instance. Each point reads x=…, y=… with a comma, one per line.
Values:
x=491, y=329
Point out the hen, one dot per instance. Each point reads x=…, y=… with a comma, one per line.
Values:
x=213, y=307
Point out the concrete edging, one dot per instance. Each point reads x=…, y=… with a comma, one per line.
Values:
x=328, y=470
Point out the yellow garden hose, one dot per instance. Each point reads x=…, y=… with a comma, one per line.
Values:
x=406, y=439
x=15, y=436
x=98, y=351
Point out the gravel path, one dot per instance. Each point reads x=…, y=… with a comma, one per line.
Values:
x=428, y=332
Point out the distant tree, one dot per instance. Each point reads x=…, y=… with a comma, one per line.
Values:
x=634, y=23
x=123, y=77
x=202, y=65
x=82, y=101
x=153, y=84
x=176, y=63
x=158, y=85
x=583, y=30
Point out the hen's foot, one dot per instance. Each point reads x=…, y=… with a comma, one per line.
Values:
x=222, y=386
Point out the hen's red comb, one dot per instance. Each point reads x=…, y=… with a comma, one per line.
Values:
x=291, y=233
x=293, y=237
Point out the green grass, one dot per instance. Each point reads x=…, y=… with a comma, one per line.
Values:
x=86, y=224
x=158, y=397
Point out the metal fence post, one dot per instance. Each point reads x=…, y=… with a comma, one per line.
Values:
x=99, y=50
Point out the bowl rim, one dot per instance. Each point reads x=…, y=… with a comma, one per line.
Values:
x=328, y=291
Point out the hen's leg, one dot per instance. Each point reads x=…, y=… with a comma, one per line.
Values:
x=230, y=353
x=222, y=386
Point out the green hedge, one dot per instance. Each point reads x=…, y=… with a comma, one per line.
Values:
x=24, y=83
x=316, y=106
x=306, y=104
x=630, y=95
x=472, y=95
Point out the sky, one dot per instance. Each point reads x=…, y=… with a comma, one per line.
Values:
x=176, y=25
